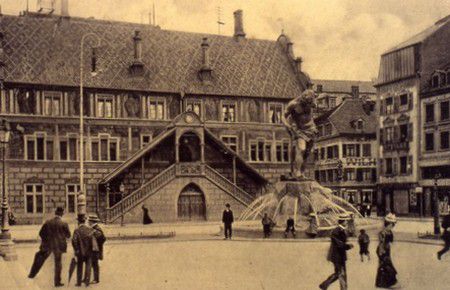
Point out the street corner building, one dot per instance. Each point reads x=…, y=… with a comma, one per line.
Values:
x=414, y=123
x=181, y=122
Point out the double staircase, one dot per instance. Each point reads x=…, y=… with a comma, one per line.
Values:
x=167, y=175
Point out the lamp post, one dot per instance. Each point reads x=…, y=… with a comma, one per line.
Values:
x=93, y=73
x=437, y=228
x=6, y=245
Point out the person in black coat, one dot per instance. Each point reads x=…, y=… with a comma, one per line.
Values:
x=445, y=236
x=146, y=220
x=101, y=239
x=53, y=235
x=290, y=227
x=227, y=219
x=338, y=254
x=84, y=247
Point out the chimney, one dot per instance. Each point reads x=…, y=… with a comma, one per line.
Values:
x=205, y=71
x=355, y=91
x=137, y=67
x=290, y=49
x=65, y=8
x=238, y=25
x=298, y=64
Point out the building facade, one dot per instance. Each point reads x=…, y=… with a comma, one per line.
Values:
x=160, y=108
x=344, y=156
x=405, y=72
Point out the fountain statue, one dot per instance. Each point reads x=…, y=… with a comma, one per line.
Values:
x=315, y=208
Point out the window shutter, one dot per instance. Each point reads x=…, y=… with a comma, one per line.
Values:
x=410, y=101
x=396, y=133
x=410, y=131
x=382, y=161
x=410, y=164
x=382, y=102
x=394, y=166
x=396, y=100
x=358, y=150
x=344, y=150
x=382, y=136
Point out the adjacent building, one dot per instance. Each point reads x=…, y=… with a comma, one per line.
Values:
x=344, y=154
x=406, y=73
x=181, y=122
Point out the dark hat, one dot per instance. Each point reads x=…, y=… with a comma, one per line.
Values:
x=227, y=205
x=93, y=218
x=59, y=211
x=81, y=218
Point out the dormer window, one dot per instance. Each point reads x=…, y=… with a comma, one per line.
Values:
x=435, y=81
x=359, y=124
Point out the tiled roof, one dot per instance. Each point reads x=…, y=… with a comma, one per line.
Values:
x=348, y=112
x=46, y=50
x=421, y=36
x=344, y=86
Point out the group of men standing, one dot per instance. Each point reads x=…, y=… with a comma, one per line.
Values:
x=87, y=242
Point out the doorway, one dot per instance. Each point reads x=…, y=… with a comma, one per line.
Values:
x=191, y=204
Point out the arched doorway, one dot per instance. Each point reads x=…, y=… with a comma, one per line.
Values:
x=189, y=148
x=191, y=204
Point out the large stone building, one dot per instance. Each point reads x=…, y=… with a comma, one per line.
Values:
x=344, y=156
x=406, y=72
x=182, y=122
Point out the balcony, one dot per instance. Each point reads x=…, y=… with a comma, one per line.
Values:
x=360, y=161
x=404, y=145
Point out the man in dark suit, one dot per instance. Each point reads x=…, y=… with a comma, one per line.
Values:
x=96, y=256
x=83, y=247
x=445, y=235
x=227, y=219
x=338, y=254
x=53, y=235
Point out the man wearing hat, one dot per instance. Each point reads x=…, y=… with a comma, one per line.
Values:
x=227, y=219
x=338, y=254
x=445, y=235
x=83, y=247
x=53, y=235
x=100, y=238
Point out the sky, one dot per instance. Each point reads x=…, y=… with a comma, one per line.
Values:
x=337, y=39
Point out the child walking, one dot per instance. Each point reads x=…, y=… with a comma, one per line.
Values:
x=364, y=240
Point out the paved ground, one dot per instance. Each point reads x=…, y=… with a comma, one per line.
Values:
x=243, y=264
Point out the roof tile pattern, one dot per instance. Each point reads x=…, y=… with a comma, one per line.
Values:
x=46, y=50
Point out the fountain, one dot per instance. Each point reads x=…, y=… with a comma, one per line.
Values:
x=314, y=208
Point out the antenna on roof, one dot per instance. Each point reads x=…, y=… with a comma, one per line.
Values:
x=149, y=16
x=154, y=14
x=219, y=18
x=280, y=20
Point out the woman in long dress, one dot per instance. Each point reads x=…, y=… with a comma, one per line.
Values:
x=146, y=217
x=386, y=274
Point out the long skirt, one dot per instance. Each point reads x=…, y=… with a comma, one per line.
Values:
x=386, y=274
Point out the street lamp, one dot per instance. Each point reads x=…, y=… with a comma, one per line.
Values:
x=6, y=245
x=437, y=228
x=93, y=73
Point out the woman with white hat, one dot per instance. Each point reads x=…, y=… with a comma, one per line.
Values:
x=386, y=274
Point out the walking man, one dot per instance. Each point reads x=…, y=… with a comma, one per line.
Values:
x=227, y=219
x=290, y=227
x=338, y=254
x=82, y=242
x=445, y=236
x=96, y=256
x=53, y=235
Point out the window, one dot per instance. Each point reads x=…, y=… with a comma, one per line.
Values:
x=349, y=174
x=275, y=111
x=260, y=151
x=367, y=174
x=403, y=132
x=329, y=152
x=145, y=139
x=52, y=104
x=155, y=108
x=68, y=148
x=231, y=142
x=403, y=164
x=351, y=150
x=105, y=106
x=389, y=105
x=445, y=111
x=105, y=148
x=282, y=152
x=229, y=112
x=322, y=153
x=429, y=141
x=38, y=147
x=429, y=113
x=389, y=134
x=403, y=99
x=34, y=200
x=359, y=124
x=194, y=106
x=367, y=150
x=445, y=140
x=435, y=81
x=328, y=129
x=389, y=166
x=71, y=197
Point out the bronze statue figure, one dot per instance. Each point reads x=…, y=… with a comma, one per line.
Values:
x=299, y=121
